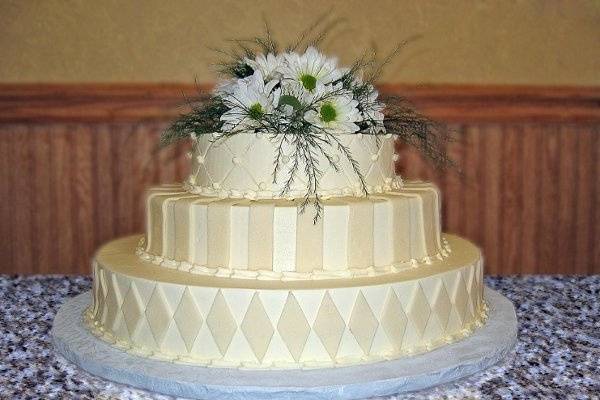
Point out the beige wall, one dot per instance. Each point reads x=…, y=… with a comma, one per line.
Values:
x=468, y=41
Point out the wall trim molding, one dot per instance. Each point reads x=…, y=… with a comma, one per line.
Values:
x=130, y=102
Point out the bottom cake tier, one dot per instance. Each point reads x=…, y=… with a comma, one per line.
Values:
x=224, y=322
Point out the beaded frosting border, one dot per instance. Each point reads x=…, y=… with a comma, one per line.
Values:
x=97, y=330
x=215, y=190
x=264, y=274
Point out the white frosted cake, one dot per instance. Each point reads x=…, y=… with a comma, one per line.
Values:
x=231, y=274
x=236, y=269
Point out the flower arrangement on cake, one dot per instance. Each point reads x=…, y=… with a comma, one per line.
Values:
x=302, y=98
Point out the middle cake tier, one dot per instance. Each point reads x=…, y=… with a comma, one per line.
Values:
x=243, y=238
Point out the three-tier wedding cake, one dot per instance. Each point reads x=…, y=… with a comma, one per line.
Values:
x=229, y=273
x=235, y=270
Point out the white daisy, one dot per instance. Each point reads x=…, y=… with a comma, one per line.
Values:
x=336, y=113
x=269, y=65
x=249, y=101
x=311, y=69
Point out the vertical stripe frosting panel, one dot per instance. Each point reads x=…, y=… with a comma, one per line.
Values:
x=360, y=241
x=284, y=237
x=417, y=242
x=154, y=216
x=435, y=211
x=199, y=232
x=238, y=252
x=156, y=224
x=260, y=234
x=429, y=203
x=182, y=228
x=309, y=243
x=335, y=235
x=169, y=225
x=150, y=223
x=382, y=232
x=437, y=216
x=401, y=228
x=219, y=215
x=172, y=235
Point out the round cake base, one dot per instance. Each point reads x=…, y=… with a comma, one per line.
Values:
x=484, y=348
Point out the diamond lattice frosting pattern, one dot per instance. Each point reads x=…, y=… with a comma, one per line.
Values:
x=242, y=166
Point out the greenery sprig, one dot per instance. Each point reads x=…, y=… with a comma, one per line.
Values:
x=302, y=102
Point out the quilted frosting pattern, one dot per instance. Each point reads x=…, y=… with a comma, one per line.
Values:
x=241, y=166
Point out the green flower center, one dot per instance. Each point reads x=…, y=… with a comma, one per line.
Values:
x=309, y=82
x=328, y=112
x=255, y=111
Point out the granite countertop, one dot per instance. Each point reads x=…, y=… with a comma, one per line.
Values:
x=557, y=355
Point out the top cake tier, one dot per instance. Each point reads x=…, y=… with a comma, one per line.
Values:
x=241, y=166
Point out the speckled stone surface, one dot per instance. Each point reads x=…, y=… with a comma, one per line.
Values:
x=557, y=354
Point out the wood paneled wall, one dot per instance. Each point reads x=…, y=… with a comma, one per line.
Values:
x=74, y=162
